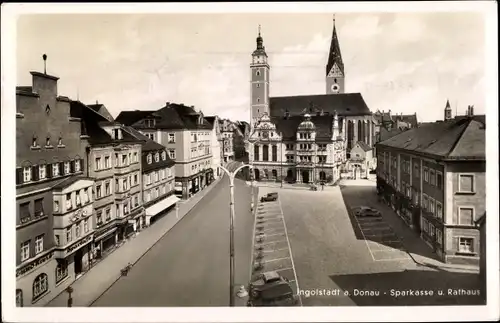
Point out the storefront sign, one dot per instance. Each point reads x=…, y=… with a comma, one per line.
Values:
x=78, y=244
x=34, y=264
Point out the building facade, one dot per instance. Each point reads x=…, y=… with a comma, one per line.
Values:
x=49, y=150
x=216, y=145
x=158, y=178
x=354, y=122
x=434, y=177
x=227, y=129
x=187, y=136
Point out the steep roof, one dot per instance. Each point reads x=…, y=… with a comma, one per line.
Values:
x=102, y=110
x=211, y=119
x=288, y=126
x=386, y=133
x=345, y=104
x=334, y=56
x=364, y=146
x=147, y=143
x=130, y=117
x=455, y=139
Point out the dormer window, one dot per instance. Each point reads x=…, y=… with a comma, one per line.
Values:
x=150, y=159
x=150, y=123
x=59, y=142
x=47, y=142
x=157, y=157
x=164, y=155
x=117, y=134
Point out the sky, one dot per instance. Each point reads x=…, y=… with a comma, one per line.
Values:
x=406, y=62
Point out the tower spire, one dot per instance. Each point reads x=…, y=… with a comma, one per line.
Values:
x=334, y=56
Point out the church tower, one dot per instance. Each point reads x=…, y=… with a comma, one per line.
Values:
x=335, y=67
x=447, y=111
x=259, y=82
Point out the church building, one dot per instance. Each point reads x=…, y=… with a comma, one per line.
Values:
x=306, y=138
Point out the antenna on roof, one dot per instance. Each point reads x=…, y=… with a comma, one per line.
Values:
x=44, y=56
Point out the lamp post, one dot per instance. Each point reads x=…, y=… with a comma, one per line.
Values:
x=231, y=176
x=281, y=160
x=69, y=290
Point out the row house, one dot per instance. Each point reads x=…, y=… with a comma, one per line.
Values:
x=434, y=177
x=300, y=148
x=114, y=163
x=216, y=144
x=187, y=136
x=227, y=129
x=241, y=141
x=158, y=178
x=50, y=152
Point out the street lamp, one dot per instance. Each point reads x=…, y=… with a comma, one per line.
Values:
x=69, y=290
x=231, y=176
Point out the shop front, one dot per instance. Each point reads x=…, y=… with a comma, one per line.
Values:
x=105, y=241
x=160, y=208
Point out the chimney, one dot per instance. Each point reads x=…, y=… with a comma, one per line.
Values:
x=96, y=102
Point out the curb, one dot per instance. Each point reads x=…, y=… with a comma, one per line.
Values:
x=217, y=182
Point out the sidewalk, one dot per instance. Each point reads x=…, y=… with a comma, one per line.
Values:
x=103, y=275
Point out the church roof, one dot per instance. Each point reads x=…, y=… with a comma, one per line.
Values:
x=334, y=56
x=345, y=104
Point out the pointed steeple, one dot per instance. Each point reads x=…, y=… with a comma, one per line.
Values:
x=334, y=56
x=447, y=111
x=448, y=106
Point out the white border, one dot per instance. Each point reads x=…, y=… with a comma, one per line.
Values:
x=324, y=314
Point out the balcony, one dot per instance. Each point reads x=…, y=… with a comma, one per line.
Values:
x=122, y=194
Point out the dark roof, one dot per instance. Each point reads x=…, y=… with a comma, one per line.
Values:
x=91, y=125
x=386, y=134
x=456, y=139
x=409, y=118
x=68, y=181
x=334, y=56
x=130, y=117
x=364, y=146
x=147, y=143
x=101, y=109
x=482, y=220
x=172, y=116
x=288, y=126
x=348, y=104
x=211, y=119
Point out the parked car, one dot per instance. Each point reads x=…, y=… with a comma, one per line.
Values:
x=270, y=197
x=366, y=211
x=271, y=289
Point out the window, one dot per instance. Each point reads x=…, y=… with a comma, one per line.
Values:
x=108, y=214
x=136, y=179
x=150, y=123
x=78, y=166
x=67, y=168
x=61, y=270
x=439, y=180
x=118, y=214
x=39, y=207
x=34, y=142
x=40, y=285
x=68, y=235
x=432, y=205
x=426, y=174
x=86, y=225
x=42, y=171
x=99, y=218
x=125, y=208
x=466, y=183
x=107, y=188
x=466, y=215
x=25, y=250
x=164, y=155
x=55, y=169
x=465, y=245
x=135, y=157
x=78, y=200
x=19, y=298
x=125, y=186
x=116, y=160
x=107, y=163
x=69, y=204
x=86, y=194
x=38, y=244
x=157, y=157
x=124, y=160
x=98, y=191
x=117, y=186
x=171, y=153
x=59, y=142
x=171, y=138
x=98, y=163
x=433, y=177
x=57, y=240
x=425, y=201
x=26, y=174
x=148, y=196
x=439, y=210
x=136, y=200
x=257, y=73
x=149, y=159
x=78, y=229
x=56, y=206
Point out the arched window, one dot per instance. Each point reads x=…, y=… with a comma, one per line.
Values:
x=150, y=158
x=40, y=285
x=19, y=298
x=257, y=73
x=157, y=157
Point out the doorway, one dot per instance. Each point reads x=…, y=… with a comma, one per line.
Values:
x=322, y=176
x=257, y=175
x=78, y=262
x=305, y=176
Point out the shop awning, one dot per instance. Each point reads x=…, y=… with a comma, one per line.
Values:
x=162, y=205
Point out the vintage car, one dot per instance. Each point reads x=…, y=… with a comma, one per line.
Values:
x=366, y=211
x=271, y=289
x=270, y=197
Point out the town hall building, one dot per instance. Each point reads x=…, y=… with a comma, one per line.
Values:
x=307, y=138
